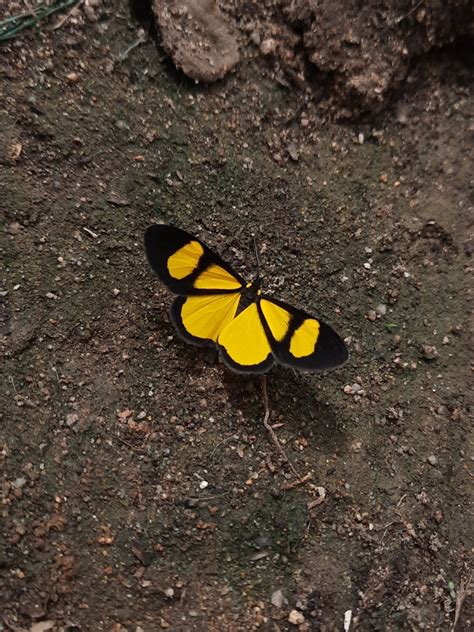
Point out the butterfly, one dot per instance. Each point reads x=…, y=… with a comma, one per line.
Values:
x=215, y=305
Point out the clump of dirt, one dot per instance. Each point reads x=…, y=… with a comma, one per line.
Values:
x=198, y=38
x=354, y=55
x=366, y=48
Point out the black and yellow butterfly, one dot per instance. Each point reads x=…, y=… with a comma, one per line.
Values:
x=216, y=305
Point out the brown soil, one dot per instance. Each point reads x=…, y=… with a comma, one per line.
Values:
x=111, y=426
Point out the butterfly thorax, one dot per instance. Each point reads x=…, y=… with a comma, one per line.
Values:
x=249, y=294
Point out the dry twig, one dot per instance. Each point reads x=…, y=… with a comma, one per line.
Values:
x=270, y=429
x=463, y=591
x=65, y=18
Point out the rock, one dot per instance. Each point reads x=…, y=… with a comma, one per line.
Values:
x=71, y=419
x=43, y=626
x=268, y=46
x=293, y=152
x=295, y=618
x=432, y=460
x=277, y=599
x=196, y=35
x=429, y=352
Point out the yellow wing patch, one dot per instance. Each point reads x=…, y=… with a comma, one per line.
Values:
x=185, y=260
x=277, y=319
x=244, y=339
x=216, y=278
x=206, y=316
x=304, y=339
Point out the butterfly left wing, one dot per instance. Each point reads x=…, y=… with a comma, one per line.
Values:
x=200, y=319
x=299, y=340
x=186, y=265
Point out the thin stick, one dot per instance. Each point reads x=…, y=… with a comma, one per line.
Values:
x=65, y=18
x=461, y=593
x=267, y=425
x=123, y=56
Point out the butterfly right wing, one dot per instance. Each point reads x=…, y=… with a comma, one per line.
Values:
x=299, y=340
x=244, y=345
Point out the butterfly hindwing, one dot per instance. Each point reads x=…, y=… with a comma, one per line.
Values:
x=187, y=266
x=244, y=345
x=299, y=340
x=200, y=319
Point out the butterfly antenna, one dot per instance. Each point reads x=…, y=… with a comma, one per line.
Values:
x=256, y=257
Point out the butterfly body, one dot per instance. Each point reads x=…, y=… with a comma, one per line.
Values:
x=216, y=306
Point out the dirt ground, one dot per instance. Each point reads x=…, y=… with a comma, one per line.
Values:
x=140, y=490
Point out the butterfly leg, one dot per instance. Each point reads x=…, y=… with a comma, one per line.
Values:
x=272, y=433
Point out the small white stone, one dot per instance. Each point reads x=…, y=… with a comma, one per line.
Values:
x=295, y=617
x=277, y=599
x=268, y=46
x=203, y=484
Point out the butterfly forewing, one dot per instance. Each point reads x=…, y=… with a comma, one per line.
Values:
x=299, y=340
x=187, y=266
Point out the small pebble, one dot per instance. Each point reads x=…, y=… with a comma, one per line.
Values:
x=71, y=419
x=429, y=352
x=255, y=37
x=295, y=617
x=268, y=46
x=203, y=484
x=115, y=291
x=432, y=460
x=381, y=309
x=277, y=599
